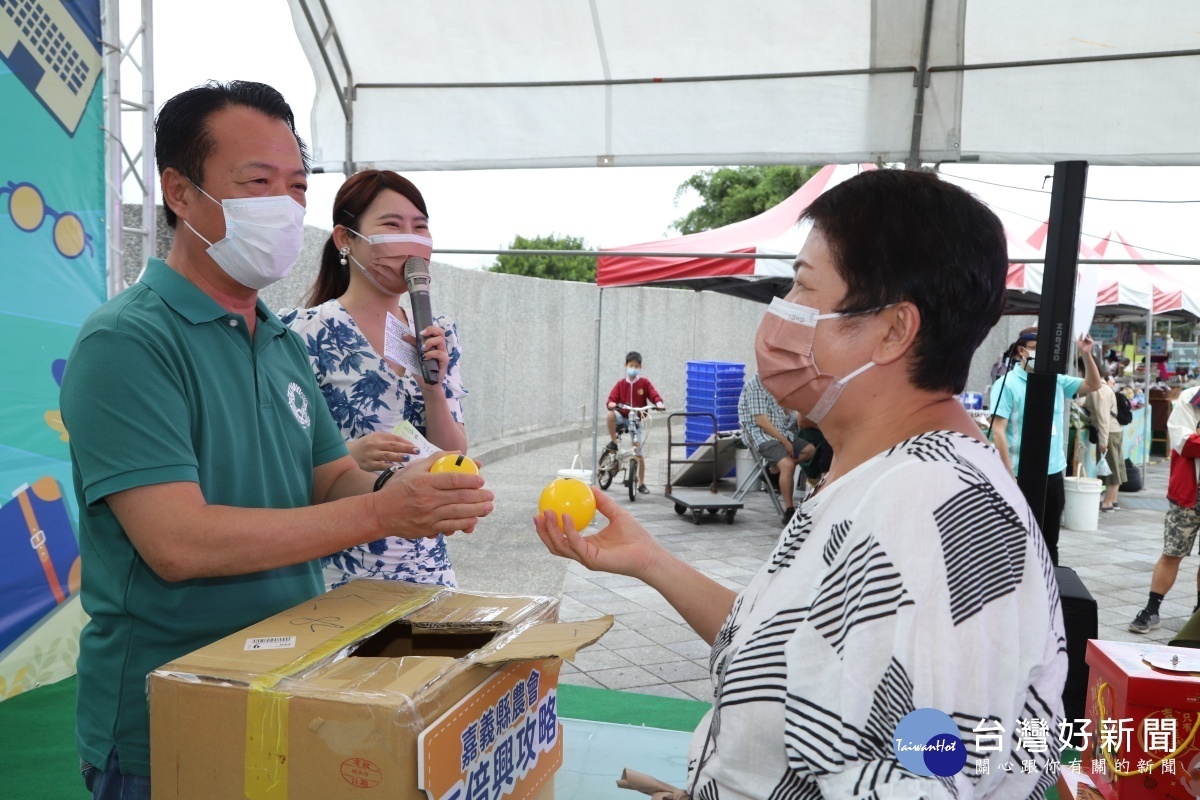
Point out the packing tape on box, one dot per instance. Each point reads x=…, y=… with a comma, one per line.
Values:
x=267, y=709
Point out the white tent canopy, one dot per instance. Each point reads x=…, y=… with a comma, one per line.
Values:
x=476, y=84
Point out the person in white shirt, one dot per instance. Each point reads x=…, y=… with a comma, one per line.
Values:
x=915, y=577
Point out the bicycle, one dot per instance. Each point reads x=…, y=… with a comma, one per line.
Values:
x=625, y=457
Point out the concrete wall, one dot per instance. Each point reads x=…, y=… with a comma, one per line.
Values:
x=529, y=344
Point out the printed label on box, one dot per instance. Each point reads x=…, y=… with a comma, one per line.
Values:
x=271, y=643
x=502, y=739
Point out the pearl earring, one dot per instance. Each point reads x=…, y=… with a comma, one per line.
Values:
x=343, y=253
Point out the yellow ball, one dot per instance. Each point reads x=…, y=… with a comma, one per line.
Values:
x=454, y=464
x=569, y=496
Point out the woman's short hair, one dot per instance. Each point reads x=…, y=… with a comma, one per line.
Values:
x=900, y=235
x=356, y=194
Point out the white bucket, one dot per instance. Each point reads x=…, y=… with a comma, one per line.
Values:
x=1081, y=511
x=744, y=460
x=576, y=471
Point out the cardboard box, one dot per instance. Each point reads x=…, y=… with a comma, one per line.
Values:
x=1147, y=698
x=405, y=690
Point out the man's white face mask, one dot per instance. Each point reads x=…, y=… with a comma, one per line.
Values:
x=263, y=238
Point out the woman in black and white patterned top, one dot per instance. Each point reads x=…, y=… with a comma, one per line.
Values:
x=914, y=577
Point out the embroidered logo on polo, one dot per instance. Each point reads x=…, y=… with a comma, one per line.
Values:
x=298, y=403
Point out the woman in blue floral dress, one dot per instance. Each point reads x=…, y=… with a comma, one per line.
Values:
x=379, y=220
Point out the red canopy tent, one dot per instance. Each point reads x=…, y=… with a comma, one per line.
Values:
x=696, y=263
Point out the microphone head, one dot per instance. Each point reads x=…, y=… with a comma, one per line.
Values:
x=416, y=273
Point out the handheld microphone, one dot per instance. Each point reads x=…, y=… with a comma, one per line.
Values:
x=416, y=275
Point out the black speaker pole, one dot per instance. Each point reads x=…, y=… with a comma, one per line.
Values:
x=1054, y=330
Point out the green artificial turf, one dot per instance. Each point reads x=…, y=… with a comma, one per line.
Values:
x=37, y=744
x=627, y=708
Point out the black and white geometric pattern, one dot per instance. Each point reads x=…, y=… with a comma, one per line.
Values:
x=861, y=585
x=794, y=536
x=882, y=596
x=984, y=544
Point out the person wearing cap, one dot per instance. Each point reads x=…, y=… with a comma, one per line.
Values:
x=1008, y=412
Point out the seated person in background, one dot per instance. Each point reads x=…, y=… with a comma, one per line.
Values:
x=914, y=577
x=814, y=468
x=774, y=434
x=636, y=392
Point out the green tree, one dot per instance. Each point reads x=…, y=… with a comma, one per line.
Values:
x=732, y=194
x=560, y=268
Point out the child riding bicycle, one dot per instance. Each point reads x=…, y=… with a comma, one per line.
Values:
x=633, y=392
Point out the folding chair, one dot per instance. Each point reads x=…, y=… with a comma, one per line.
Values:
x=761, y=472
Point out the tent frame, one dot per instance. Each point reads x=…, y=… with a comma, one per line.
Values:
x=118, y=163
x=337, y=66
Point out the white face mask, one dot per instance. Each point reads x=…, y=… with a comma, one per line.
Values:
x=263, y=238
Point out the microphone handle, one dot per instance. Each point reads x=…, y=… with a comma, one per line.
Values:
x=422, y=319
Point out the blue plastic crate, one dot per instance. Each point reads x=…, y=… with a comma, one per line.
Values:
x=711, y=384
x=713, y=406
x=721, y=394
x=713, y=368
x=700, y=433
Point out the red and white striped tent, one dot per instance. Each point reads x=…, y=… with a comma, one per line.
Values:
x=1175, y=292
x=1118, y=292
x=772, y=232
x=701, y=267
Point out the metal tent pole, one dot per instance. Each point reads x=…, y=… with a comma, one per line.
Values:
x=111, y=27
x=149, y=211
x=1147, y=422
x=596, y=391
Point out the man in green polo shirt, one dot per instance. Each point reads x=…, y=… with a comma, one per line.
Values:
x=209, y=473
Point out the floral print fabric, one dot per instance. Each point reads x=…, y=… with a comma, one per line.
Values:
x=366, y=395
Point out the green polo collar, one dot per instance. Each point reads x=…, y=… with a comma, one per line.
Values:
x=190, y=302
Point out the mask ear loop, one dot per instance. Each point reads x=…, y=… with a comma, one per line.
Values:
x=832, y=394
x=210, y=197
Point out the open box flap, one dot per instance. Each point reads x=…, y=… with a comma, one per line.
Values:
x=559, y=639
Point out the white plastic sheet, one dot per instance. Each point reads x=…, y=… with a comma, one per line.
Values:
x=567, y=83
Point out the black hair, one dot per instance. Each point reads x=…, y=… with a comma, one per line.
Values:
x=900, y=235
x=356, y=194
x=182, y=138
x=633, y=355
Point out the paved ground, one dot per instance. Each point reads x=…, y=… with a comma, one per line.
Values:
x=650, y=650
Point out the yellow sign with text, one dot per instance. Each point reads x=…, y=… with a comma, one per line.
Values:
x=504, y=738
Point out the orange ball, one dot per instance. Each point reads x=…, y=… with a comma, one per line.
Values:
x=569, y=496
x=454, y=463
